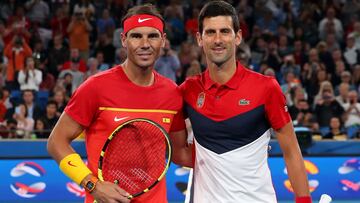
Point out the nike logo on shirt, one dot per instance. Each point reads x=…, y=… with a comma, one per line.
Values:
x=116, y=119
x=70, y=164
x=142, y=20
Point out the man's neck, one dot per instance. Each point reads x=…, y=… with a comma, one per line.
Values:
x=138, y=75
x=223, y=73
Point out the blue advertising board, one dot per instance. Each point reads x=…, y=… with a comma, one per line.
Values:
x=34, y=180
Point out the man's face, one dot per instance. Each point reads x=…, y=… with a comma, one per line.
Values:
x=28, y=97
x=143, y=45
x=218, y=39
x=75, y=53
x=51, y=109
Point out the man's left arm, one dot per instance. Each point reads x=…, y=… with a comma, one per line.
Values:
x=294, y=163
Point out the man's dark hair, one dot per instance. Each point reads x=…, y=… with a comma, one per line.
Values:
x=218, y=8
x=51, y=102
x=148, y=9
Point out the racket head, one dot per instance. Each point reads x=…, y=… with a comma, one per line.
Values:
x=136, y=156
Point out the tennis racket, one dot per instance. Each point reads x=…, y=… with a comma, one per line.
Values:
x=135, y=156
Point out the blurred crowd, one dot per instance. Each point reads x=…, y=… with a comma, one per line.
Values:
x=49, y=47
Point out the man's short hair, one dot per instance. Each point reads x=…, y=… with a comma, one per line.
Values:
x=218, y=8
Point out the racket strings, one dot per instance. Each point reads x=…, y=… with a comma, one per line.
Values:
x=136, y=156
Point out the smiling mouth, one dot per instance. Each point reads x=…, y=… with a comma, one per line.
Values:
x=218, y=49
x=145, y=55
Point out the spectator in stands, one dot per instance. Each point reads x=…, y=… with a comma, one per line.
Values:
x=50, y=118
x=346, y=78
x=174, y=7
x=38, y=11
x=331, y=42
x=343, y=98
x=3, y=30
x=86, y=8
x=336, y=77
x=100, y=58
x=325, y=56
x=289, y=65
x=356, y=34
x=309, y=25
x=310, y=72
x=7, y=8
x=168, y=63
x=299, y=112
x=40, y=131
x=352, y=115
x=61, y=100
x=267, y=22
x=104, y=45
x=183, y=54
x=290, y=81
x=284, y=47
x=66, y=82
x=351, y=53
x=34, y=110
x=40, y=55
x=191, y=24
x=58, y=55
x=272, y=57
x=326, y=107
x=328, y=20
x=59, y=22
x=5, y=99
x=174, y=23
x=269, y=72
x=120, y=55
x=79, y=34
x=25, y=124
x=296, y=94
x=75, y=60
x=16, y=52
x=48, y=81
x=11, y=127
x=105, y=24
x=17, y=24
x=92, y=68
x=2, y=72
x=194, y=69
x=356, y=76
x=77, y=76
x=3, y=108
x=29, y=78
x=336, y=131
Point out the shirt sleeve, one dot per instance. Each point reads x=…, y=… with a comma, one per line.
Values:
x=275, y=106
x=83, y=104
x=178, y=121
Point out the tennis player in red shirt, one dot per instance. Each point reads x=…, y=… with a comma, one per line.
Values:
x=104, y=101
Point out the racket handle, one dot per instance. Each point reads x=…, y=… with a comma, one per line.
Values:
x=325, y=198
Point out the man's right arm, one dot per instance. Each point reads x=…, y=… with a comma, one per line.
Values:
x=182, y=151
x=59, y=147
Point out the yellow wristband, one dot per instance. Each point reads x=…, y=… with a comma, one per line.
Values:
x=73, y=166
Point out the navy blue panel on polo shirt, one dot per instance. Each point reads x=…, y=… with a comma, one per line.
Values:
x=221, y=137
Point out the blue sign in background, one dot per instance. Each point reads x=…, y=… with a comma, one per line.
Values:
x=323, y=173
x=327, y=179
